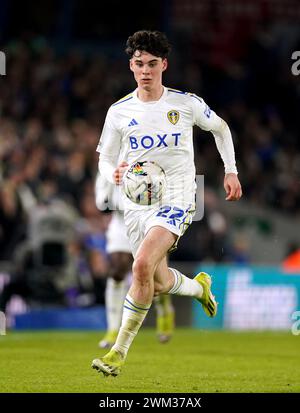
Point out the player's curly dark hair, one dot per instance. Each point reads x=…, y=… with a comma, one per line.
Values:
x=153, y=42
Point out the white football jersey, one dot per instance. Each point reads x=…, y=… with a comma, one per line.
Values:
x=159, y=131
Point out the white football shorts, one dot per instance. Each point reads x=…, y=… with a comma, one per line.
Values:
x=117, y=240
x=172, y=217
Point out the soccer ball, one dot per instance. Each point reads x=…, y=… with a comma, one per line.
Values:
x=144, y=183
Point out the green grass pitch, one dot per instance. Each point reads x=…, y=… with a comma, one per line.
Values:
x=194, y=361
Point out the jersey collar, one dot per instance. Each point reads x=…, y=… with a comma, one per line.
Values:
x=164, y=94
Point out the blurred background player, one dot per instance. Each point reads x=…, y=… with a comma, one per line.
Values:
x=120, y=263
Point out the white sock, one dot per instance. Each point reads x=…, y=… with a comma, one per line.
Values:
x=115, y=294
x=133, y=317
x=185, y=286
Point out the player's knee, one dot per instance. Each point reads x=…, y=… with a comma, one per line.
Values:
x=142, y=268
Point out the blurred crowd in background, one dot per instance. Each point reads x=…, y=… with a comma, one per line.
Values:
x=53, y=101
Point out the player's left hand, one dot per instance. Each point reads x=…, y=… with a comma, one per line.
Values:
x=232, y=187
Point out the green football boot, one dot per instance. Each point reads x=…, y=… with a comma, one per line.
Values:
x=110, y=364
x=207, y=300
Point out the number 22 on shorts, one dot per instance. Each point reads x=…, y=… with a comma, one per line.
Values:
x=173, y=214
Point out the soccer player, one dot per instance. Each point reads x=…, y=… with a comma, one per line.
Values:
x=154, y=123
x=120, y=258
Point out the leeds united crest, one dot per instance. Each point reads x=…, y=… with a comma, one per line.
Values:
x=173, y=116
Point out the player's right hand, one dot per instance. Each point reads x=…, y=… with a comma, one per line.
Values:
x=232, y=187
x=119, y=172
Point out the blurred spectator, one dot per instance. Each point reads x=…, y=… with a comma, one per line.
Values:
x=12, y=220
x=44, y=267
